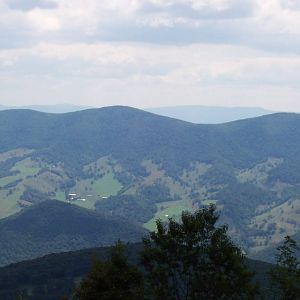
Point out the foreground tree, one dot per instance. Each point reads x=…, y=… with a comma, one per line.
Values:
x=195, y=259
x=114, y=279
x=285, y=276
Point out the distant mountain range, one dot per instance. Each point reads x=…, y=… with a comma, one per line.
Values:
x=137, y=166
x=56, y=108
x=209, y=114
x=191, y=113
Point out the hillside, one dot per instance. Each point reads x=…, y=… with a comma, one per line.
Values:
x=54, y=276
x=209, y=114
x=139, y=166
x=191, y=113
x=53, y=226
x=268, y=254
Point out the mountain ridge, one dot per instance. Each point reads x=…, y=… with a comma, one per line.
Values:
x=55, y=108
x=128, y=162
x=189, y=113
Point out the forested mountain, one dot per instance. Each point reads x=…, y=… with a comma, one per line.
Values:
x=54, y=276
x=268, y=254
x=139, y=166
x=53, y=226
x=190, y=113
x=209, y=114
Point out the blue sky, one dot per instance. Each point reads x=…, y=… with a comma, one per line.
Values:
x=146, y=53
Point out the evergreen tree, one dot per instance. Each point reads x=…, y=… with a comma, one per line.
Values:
x=195, y=259
x=114, y=279
x=285, y=276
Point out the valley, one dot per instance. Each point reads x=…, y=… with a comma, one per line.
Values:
x=149, y=150
x=138, y=166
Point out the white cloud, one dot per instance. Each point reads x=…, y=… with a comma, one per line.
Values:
x=204, y=9
x=27, y=5
x=124, y=73
x=137, y=51
x=190, y=21
x=43, y=21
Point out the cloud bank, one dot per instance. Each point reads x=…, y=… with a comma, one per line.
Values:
x=151, y=52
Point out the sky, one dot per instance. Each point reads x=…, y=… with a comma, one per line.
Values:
x=147, y=53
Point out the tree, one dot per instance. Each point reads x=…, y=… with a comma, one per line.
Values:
x=285, y=276
x=114, y=279
x=195, y=259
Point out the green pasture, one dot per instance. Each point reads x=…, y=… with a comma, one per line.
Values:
x=92, y=190
x=10, y=196
x=9, y=202
x=166, y=210
x=209, y=202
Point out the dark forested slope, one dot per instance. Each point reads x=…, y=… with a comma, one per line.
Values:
x=54, y=276
x=53, y=226
x=130, y=134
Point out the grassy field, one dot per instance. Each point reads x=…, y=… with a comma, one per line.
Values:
x=259, y=173
x=178, y=190
x=60, y=195
x=14, y=153
x=172, y=209
x=25, y=168
x=10, y=196
x=282, y=219
x=9, y=203
x=166, y=210
x=9, y=179
x=90, y=189
x=106, y=186
x=93, y=190
x=209, y=202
